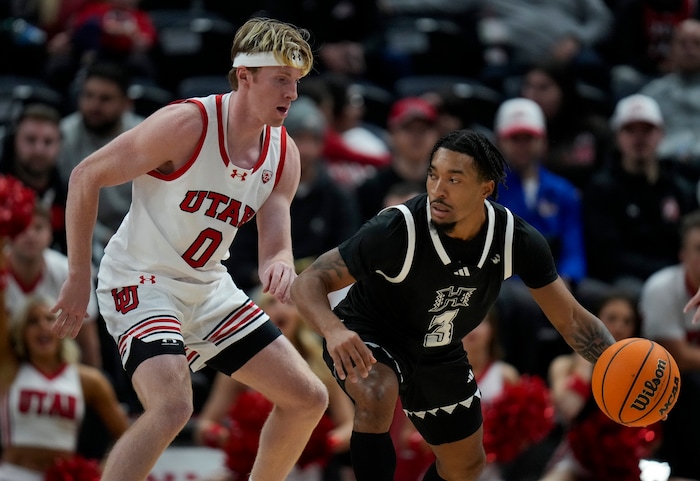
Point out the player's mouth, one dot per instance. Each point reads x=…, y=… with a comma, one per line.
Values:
x=439, y=209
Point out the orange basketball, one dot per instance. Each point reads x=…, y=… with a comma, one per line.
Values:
x=636, y=382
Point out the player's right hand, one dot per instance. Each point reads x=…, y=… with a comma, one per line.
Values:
x=350, y=354
x=70, y=308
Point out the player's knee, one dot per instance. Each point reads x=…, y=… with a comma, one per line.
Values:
x=317, y=400
x=376, y=395
x=310, y=399
x=469, y=468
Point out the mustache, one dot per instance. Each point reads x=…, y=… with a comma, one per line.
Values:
x=439, y=202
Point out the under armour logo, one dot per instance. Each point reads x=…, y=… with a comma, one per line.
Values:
x=125, y=299
x=496, y=259
x=235, y=174
x=149, y=279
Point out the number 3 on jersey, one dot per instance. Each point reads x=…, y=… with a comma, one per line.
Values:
x=440, y=329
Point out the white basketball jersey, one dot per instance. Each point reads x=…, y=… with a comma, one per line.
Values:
x=43, y=411
x=182, y=224
x=48, y=284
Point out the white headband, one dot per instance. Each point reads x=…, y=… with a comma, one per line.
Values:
x=265, y=59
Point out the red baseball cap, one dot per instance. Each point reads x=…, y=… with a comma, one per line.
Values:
x=411, y=108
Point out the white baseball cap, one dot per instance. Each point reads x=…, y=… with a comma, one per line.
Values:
x=636, y=108
x=520, y=115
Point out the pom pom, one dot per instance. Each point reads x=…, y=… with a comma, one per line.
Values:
x=520, y=416
x=76, y=468
x=247, y=416
x=16, y=206
x=618, y=448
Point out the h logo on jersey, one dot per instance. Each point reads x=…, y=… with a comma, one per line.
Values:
x=125, y=299
x=266, y=176
x=235, y=174
x=452, y=297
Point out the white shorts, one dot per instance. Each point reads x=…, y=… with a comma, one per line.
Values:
x=206, y=318
x=12, y=472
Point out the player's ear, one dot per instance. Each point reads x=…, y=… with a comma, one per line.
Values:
x=487, y=188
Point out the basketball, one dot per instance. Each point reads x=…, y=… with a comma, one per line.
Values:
x=636, y=382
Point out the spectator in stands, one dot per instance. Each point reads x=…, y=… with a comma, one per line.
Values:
x=633, y=208
x=233, y=414
x=662, y=302
x=678, y=95
x=103, y=112
x=641, y=40
x=46, y=391
x=352, y=149
x=106, y=30
x=568, y=30
x=31, y=155
x=412, y=125
x=33, y=268
x=552, y=205
x=578, y=136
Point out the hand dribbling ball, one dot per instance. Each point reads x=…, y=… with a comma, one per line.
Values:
x=636, y=382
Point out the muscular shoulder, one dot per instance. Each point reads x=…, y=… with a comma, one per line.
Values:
x=380, y=244
x=532, y=256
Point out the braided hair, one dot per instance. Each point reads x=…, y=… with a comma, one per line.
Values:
x=489, y=162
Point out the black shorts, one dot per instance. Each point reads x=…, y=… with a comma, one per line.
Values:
x=440, y=397
x=227, y=361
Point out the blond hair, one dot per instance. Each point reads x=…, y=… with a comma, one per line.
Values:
x=68, y=351
x=284, y=40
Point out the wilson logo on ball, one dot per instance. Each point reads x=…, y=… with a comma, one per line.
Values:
x=650, y=387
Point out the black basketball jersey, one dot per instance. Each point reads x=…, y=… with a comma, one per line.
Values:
x=420, y=290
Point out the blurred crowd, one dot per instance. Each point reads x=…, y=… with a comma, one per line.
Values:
x=594, y=103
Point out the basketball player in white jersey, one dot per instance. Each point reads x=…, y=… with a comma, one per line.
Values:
x=200, y=169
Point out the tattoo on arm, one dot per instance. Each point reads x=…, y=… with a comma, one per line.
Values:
x=591, y=340
x=330, y=267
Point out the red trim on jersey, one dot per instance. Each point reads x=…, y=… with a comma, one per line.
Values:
x=220, y=131
x=50, y=375
x=232, y=324
x=143, y=329
x=27, y=288
x=205, y=123
x=263, y=150
x=283, y=155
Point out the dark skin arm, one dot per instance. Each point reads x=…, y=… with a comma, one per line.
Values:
x=310, y=292
x=584, y=332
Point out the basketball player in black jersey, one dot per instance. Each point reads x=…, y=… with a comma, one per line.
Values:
x=423, y=275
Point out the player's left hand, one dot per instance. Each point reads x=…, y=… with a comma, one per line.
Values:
x=277, y=280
